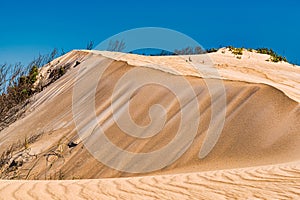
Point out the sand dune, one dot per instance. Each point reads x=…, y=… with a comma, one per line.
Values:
x=256, y=156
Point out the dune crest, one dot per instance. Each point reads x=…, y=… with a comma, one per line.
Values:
x=251, y=67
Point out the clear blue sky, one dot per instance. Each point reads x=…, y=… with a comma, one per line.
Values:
x=32, y=27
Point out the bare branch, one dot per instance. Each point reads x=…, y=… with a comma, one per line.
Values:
x=90, y=45
x=116, y=45
x=189, y=51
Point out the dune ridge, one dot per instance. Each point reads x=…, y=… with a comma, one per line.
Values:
x=251, y=67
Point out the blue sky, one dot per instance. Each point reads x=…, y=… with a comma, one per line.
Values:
x=32, y=27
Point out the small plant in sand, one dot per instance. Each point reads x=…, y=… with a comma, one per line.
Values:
x=34, y=71
x=236, y=51
x=55, y=154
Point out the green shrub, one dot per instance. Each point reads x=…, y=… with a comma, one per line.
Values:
x=16, y=86
x=24, y=91
x=274, y=56
x=34, y=71
x=61, y=71
x=236, y=51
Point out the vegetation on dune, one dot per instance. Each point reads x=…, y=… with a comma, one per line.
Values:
x=184, y=51
x=211, y=50
x=162, y=52
x=15, y=156
x=17, y=86
x=236, y=51
x=192, y=51
x=116, y=45
x=90, y=45
x=274, y=56
x=189, y=51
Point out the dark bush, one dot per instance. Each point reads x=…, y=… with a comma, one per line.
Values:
x=90, y=45
x=57, y=73
x=211, y=50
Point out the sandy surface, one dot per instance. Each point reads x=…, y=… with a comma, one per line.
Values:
x=265, y=182
x=256, y=156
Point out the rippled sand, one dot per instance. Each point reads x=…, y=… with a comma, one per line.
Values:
x=265, y=182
